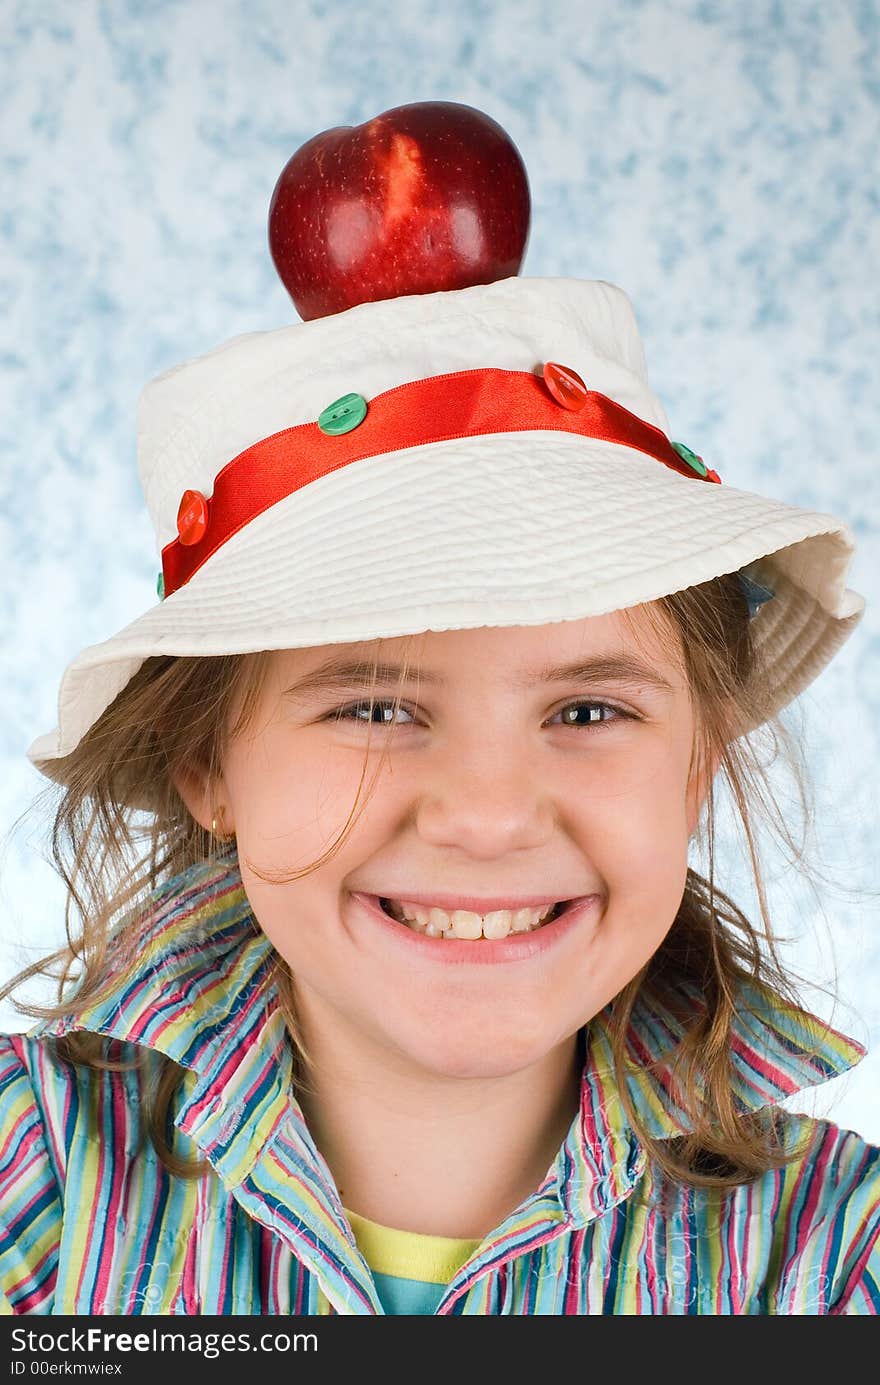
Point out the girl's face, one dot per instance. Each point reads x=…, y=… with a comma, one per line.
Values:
x=496, y=783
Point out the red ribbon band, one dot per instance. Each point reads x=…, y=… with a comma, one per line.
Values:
x=463, y=404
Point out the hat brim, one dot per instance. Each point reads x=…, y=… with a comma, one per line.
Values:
x=501, y=529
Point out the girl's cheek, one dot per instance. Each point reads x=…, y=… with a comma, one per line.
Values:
x=626, y=767
x=280, y=794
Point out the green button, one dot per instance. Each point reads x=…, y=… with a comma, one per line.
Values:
x=691, y=458
x=160, y=586
x=343, y=414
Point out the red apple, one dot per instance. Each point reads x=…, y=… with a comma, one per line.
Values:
x=421, y=198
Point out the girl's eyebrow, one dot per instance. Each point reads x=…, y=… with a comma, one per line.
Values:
x=340, y=672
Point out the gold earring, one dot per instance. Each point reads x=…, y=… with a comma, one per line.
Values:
x=221, y=836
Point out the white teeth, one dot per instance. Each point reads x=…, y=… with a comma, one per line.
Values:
x=438, y=922
x=464, y=923
x=523, y=920
x=497, y=924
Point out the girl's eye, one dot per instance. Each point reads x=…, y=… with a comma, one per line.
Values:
x=594, y=713
x=350, y=713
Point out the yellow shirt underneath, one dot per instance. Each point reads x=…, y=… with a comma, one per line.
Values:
x=411, y=1271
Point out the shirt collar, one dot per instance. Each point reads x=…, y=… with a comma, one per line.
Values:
x=201, y=992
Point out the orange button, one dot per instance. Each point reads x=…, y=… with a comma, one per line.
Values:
x=192, y=517
x=566, y=386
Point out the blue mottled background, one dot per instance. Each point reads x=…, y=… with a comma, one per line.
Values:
x=717, y=160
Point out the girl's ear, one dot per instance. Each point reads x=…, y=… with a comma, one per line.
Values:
x=194, y=786
x=699, y=786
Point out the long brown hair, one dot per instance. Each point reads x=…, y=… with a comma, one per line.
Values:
x=177, y=711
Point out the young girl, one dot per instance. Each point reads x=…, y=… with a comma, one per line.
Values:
x=391, y=989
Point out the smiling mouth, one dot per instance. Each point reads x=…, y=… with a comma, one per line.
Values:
x=463, y=924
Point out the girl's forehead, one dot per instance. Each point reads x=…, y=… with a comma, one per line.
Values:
x=525, y=651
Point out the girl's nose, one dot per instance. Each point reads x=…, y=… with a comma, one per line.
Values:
x=485, y=806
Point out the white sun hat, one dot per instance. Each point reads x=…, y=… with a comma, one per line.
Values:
x=486, y=456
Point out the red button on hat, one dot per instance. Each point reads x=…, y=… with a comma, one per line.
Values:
x=192, y=517
x=566, y=386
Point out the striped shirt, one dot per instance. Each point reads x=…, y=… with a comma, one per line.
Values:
x=92, y=1222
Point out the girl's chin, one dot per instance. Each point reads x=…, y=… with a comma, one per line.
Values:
x=477, y=1047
